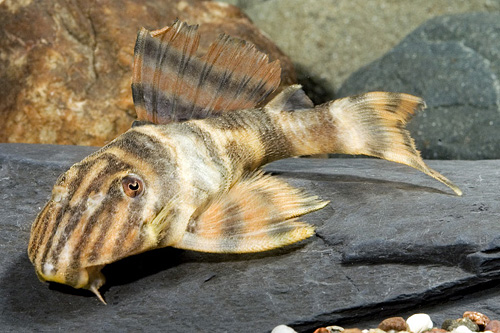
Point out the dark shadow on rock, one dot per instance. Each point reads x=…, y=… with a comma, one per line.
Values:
x=133, y=268
x=26, y=298
x=317, y=89
x=392, y=252
x=360, y=180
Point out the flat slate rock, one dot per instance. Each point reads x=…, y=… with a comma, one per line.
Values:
x=391, y=242
x=453, y=62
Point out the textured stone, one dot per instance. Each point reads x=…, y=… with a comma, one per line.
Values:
x=493, y=326
x=352, y=330
x=466, y=322
x=419, y=323
x=283, y=329
x=391, y=242
x=66, y=66
x=393, y=323
x=461, y=329
x=478, y=318
x=437, y=330
x=453, y=63
x=329, y=40
x=321, y=330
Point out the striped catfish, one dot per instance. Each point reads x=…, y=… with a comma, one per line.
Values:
x=188, y=173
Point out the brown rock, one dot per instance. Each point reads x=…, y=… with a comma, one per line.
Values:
x=393, y=323
x=478, y=318
x=66, y=66
x=493, y=326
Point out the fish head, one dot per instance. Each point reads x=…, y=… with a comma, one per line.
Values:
x=99, y=212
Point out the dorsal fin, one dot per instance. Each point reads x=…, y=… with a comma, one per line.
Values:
x=291, y=98
x=171, y=83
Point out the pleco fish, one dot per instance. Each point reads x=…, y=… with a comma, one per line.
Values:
x=188, y=173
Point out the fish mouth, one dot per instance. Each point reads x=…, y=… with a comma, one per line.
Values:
x=89, y=278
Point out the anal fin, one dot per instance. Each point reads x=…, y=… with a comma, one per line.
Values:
x=257, y=214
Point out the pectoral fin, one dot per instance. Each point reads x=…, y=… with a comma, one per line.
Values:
x=257, y=214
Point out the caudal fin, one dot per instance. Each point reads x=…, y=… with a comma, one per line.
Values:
x=374, y=124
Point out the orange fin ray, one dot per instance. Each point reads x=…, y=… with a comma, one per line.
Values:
x=171, y=83
x=257, y=214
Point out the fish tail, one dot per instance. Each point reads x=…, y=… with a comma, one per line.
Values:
x=370, y=124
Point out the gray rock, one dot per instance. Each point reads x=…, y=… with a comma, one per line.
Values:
x=454, y=63
x=329, y=40
x=391, y=242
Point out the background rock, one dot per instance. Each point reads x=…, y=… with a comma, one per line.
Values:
x=65, y=69
x=391, y=242
x=328, y=40
x=453, y=62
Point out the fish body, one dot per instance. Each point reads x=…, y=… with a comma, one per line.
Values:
x=189, y=174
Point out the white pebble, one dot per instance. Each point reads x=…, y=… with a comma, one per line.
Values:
x=462, y=329
x=419, y=322
x=283, y=329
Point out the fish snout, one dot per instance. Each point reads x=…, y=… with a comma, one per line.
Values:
x=89, y=278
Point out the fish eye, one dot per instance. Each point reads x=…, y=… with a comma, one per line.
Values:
x=133, y=185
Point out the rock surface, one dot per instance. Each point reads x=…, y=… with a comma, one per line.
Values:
x=453, y=62
x=391, y=242
x=66, y=67
x=329, y=40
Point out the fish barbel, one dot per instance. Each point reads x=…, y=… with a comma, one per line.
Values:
x=188, y=174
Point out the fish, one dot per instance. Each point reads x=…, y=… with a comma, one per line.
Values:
x=188, y=173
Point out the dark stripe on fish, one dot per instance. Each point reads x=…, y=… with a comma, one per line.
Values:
x=76, y=212
x=132, y=222
x=145, y=147
x=39, y=229
x=111, y=196
x=209, y=144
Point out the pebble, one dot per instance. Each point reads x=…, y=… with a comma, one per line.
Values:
x=322, y=330
x=436, y=330
x=461, y=329
x=330, y=329
x=394, y=323
x=447, y=323
x=376, y=330
x=450, y=324
x=478, y=318
x=471, y=322
x=419, y=322
x=352, y=330
x=283, y=329
x=493, y=326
